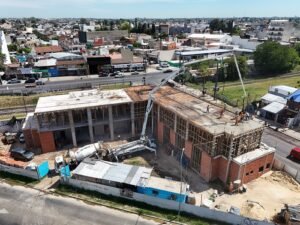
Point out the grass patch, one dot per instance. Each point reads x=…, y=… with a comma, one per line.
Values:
x=14, y=179
x=115, y=86
x=137, y=161
x=7, y=101
x=9, y=116
x=234, y=91
x=137, y=207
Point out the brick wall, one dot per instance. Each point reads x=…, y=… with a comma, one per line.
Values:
x=36, y=139
x=222, y=169
x=188, y=148
x=160, y=130
x=251, y=170
x=47, y=142
x=205, y=171
x=172, y=137
x=28, y=139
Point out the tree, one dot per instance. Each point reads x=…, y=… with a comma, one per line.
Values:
x=217, y=25
x=12, y=48
x=271, y=57
x=232, y=73
x=125, y=26
x=83, y=21
x=153, y=29
x=2, y=21
x=297, y=48
x=112, y=25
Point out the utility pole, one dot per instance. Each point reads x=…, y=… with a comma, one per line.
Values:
x=216, y=81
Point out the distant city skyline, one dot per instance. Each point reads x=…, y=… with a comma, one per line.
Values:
x=149, y=8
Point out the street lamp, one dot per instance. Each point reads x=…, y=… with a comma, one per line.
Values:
x=179, y=207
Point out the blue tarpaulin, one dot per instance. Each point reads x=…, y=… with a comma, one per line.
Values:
x=43, y=169
x=295, y=97
x=65, y=171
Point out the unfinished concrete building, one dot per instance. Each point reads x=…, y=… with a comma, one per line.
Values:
x=214, y=145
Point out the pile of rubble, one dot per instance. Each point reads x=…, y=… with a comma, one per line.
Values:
x=284, y=179
x=6, y=159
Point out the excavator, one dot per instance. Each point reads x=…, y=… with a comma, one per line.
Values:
x=146, y=143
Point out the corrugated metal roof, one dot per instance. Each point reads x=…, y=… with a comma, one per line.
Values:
x=115, y=172
x=274, y=107
x=273, y=98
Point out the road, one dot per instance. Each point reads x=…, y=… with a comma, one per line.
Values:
x=282, y=143
x=24, y=206
x=93, y=80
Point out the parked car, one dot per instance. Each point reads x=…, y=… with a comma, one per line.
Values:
x=168, y=71
x=21, y=138
x=39, y=82
x=135, y=73
x=13, y=81
x=21, y=154
x=30, y=81
x=295, y=154
x=120, y=75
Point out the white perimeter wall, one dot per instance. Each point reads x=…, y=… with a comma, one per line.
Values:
x=168, y=204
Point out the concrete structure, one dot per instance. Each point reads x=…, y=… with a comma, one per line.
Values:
x=207, y=39
x=107, y=36
x=4, y=49
x=212, y=138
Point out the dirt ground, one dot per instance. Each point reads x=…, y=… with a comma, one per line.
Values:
x=265, y=196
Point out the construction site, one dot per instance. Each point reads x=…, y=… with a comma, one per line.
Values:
x=216, y=143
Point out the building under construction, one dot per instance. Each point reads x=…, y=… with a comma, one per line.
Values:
x=217, y=144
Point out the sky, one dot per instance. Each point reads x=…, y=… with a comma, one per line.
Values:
x=149, y=8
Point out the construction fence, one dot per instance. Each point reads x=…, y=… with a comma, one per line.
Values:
x=167, y=204
x=38, y=173
x=282, y=164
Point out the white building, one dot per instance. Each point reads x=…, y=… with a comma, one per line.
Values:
x=208, y=39
x=4, y=49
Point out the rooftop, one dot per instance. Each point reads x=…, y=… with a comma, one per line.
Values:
x=48, y=49
x=115, y=172
x=204, y=52
x=165, y=184
x=80, y=100
x=138, y=93
x=194, y=110
x=208, y=36
x=253, y=155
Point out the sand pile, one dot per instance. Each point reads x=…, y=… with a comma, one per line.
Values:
x=253, y=210
x=284, y=179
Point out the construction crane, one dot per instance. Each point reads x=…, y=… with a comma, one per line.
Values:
x=145, y=143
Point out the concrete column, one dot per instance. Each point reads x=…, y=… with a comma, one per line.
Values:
x=72, y=128
x=90, y=121
x=187, y=131
x=132, y=119
x=276, y=118
x=111, y=123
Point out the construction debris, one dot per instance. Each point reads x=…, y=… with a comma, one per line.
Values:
x=284, y=179
x=289, y=215
x=253, y=210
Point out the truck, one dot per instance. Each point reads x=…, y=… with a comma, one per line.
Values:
x=295, y=154
x=132, y=147
x=9, y=138
x=75, y=157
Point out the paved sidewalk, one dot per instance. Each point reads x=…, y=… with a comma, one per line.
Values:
x=280, y=128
